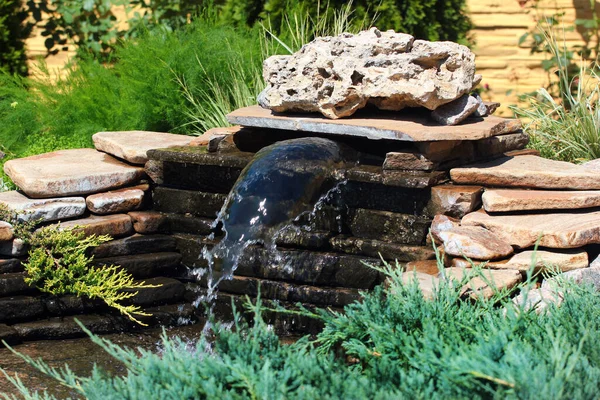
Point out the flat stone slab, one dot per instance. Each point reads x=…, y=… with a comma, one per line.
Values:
x=474, y=242
x=497, y=200
x=6, y=231
x=70, y=173
x=132, y=146
x=42, y=209
x=555, y=230
x=117, y=201
x=530, y=172
x=408, y=126
x=113, y=225
x=563, y=261
x=486, y=283
x=455, y=200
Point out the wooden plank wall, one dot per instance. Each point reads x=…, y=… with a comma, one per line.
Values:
x=499, y=24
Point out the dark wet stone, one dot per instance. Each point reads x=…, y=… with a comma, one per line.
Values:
x=178, y=223
x=376, y=248
x=20, y=308
x=169, y=291
x=145, y=265
x=404, y=179
x=288, y=292
x=187, y=202
x=10, y=265
x=199, y=155
x=171, y=315
x=71, y=304
x=9, y=335
x=326, y=218
x=379, y=197
x=13, y=248
x=137, y=244
x=204, y=178
x=294, y=236
x=14, y=283
x=388, y=226
x=312, y=268
x=190, y=247
x=63, y=328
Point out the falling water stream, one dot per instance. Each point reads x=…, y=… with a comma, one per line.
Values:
x=283, y=182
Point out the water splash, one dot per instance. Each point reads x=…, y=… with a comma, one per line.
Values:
x=283, y=181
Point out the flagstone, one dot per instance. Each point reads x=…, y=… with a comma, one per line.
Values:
x=70, y=172
x=530, y=172
x=44, y=210
x=484, y=283
x=554, y=230
x=115, y=225
x=497, y=200
x=474, y=242
x=117, y=201
x=455, y=200
x=133, y=145
x=562, y=261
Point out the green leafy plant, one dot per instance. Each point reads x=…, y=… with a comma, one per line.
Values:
x=394, y=343
x=58, y=264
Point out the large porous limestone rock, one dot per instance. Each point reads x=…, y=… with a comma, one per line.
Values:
x=338, y=75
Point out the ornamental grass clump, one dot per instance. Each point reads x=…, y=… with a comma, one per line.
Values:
x=566, y=127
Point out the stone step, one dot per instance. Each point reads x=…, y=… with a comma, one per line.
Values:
x=396, y=178
x=283, y=291
x=70, y=173
x=503, y=200
x=199, y=155
x=136, y=244
x=168, y=291
x=10, y=265
x=204, y=178
x=132, y=146
x=13, y=248
x=545, y=261
x=388, y=226
x=555, y=230
x=148, y=222
x=377, y=248
x=116, y=225
x=117, y=201
x=145, y=265
x=313, y=268
x=45, y=210
x=528, y=172
x=178, y=223
x=377, y=196
x=20, y=308
x=177, y=201
x=455, y=200
x=13, y=284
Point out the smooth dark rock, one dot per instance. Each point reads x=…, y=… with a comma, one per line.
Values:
x=288, y=292
x=312, y=268
x=178, y=223
x=14, y=283
x=71, y=304
x=169, y=291
x=377, y=248
x=388, y=226
x=9, y=335
x=20, y=308
x=404, y=179
x=199, y=155
x=63, y=328
x=10, y=265
x=190, y=247
x=145, y=265
x=379, y=197
x=136, y=244
x=171, y=315
x=204, y=178
x=187, y=202
x=294, y=236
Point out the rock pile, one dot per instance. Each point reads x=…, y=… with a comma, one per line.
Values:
x=103, y=192
x=337, y=76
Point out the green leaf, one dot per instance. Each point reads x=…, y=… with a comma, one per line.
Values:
x=88, y=5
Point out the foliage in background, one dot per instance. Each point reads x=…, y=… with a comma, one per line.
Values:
x=565, y=126
x=542, y=40
x=392, y=344
x=58, y=263
x=14, y=29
